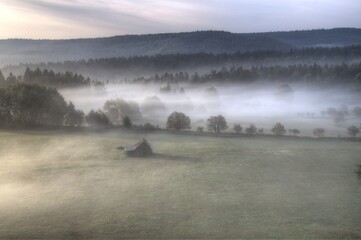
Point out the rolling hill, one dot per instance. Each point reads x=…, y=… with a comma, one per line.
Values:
x=14, y=51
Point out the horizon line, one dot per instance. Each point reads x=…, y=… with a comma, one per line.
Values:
x=165, y=33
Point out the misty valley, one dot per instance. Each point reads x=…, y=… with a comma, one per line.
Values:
x=250, y=136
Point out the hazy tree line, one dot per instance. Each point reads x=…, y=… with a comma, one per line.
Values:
x=216, y=124
x=33, y=105
x=321, y=74
x=111, y=68
x=49, y=79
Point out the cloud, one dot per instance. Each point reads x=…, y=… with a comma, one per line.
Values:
x=82, y=18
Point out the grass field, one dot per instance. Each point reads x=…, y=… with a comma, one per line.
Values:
x=61, y=184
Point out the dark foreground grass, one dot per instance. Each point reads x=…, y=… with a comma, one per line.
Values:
x=56, y=184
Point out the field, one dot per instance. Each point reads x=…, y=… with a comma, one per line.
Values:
x=62, y=184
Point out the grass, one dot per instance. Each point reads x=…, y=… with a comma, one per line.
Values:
x=61, y=184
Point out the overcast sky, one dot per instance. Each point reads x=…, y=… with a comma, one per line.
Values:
x=93, y=18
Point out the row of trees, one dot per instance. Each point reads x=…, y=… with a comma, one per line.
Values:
x=216, y=124
x=25, y=104
x=49, y=79
x=310, y=73
x=33, y=105
x=112, y=68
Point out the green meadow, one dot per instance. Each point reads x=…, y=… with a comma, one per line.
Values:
x=62, y=184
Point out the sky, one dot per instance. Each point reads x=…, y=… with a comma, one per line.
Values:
x=63, y=19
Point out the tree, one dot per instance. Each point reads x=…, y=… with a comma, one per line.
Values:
x=353, y=131
x=212, y=91
x=149, y=127
x=338, y=115
x=237, y=128
x=36, y=105
x=278, y=129
x=6, y=106
x=251, y=130
x=2, y=78
x=117, y=109
x=216, y=124
x=97, y=119
x=357, y=112
x=11, y=78
x=165, y=89
x=127, y=123
x=200, y=129
x=294, y=131
x=73, y=117
x=178, y=121
x=319, y=132
x=153, y=106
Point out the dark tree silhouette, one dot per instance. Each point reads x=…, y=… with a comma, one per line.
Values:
x=353, y=131
x=237, y=128
x=294, y=131
x=178, y=121
x=97, y=119
x=73, y=117
x=251, y=130
x=216, y=124
x=127, y=123
x=319, y=132
x=278, y=129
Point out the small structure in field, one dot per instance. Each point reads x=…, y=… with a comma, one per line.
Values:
x=140, y=149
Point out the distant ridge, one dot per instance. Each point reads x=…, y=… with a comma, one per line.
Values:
x=14, y=51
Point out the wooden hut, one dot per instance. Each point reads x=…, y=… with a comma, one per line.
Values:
x=140, y=149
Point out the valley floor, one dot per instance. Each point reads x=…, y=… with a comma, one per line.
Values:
x=62, y=184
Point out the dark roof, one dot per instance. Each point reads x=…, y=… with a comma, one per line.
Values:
x=138, y=144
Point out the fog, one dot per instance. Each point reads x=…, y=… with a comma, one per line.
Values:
x=58, y=185
x=294, y=105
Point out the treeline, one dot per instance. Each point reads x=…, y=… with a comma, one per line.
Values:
x=33, y=105
x=308, y=73
x=49, y=79
x=113, y=68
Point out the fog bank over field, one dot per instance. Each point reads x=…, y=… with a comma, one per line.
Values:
x=259, y=103
x=77, y=185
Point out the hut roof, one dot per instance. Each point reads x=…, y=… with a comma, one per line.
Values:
x=138, y=144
